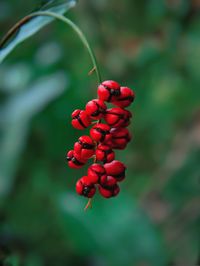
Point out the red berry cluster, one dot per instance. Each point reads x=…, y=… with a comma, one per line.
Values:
x=102, y=140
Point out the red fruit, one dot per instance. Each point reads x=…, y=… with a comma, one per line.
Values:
x=80, y=119
x=120, y=137
x=108, y=193
x=107, y=181
x=108, y=91
x=84, y=147
x=116, y=117
x=127, y=117
x=104, y=153
x=126, y=97
x=85, y=188
x=95, y=108
x=100, y=132
x=95, y=172
x=115, y=169
x=74, y=160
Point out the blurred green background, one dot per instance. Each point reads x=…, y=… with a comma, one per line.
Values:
x=152, y=46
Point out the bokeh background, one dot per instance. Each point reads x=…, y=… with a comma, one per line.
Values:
x=152, y=46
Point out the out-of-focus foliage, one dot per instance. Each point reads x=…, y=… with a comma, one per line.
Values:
x=151, y=46
x=31, y=24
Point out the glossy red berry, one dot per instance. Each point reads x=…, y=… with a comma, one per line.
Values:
x=116, y=169
x=104, y=153
x=120, y=137
x=108, y=193
x=95, y=108
x=100, y=132
x=127, y=118
x=126, y=97
x=96, y=172
x=116, y=117
x=107, y=181
x=80, y=119
x=74, y=160
x=108, y=91
x=85, y=188
x=84, y=147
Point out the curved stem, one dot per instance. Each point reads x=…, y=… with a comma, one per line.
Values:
x=66, y=21
x=88, y=205
x=79, y=33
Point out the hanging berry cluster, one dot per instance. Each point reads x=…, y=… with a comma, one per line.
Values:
x=105, y=172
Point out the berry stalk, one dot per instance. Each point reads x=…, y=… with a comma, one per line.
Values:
x=66, y=21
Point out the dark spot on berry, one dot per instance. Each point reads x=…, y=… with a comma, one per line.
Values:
x=115, y=92
x=87, y=146
x=128, y=98
x=75, y=161
x=96, y=113
x=86, y=190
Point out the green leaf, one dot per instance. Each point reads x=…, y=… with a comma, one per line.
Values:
x=31, y=24
x=15, y=118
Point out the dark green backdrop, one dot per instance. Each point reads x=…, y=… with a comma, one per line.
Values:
x=151, y=46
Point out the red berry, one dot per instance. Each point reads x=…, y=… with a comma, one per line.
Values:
x=116, y=117
x=74, y=160
x=100, y=132
x=108, y=91
x=95, y=172
x=115, y=169
x=85, y=188
x=104, y=153
x=84, y=147
x=107, y=181
x=120, y=137
x=126, y=97
x=108, y=193
x=95, y=108
x=80, y=119
x=127, y=117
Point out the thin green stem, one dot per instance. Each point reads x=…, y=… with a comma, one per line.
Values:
x=66, y=21
x=79, y=33
x=88, y=205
